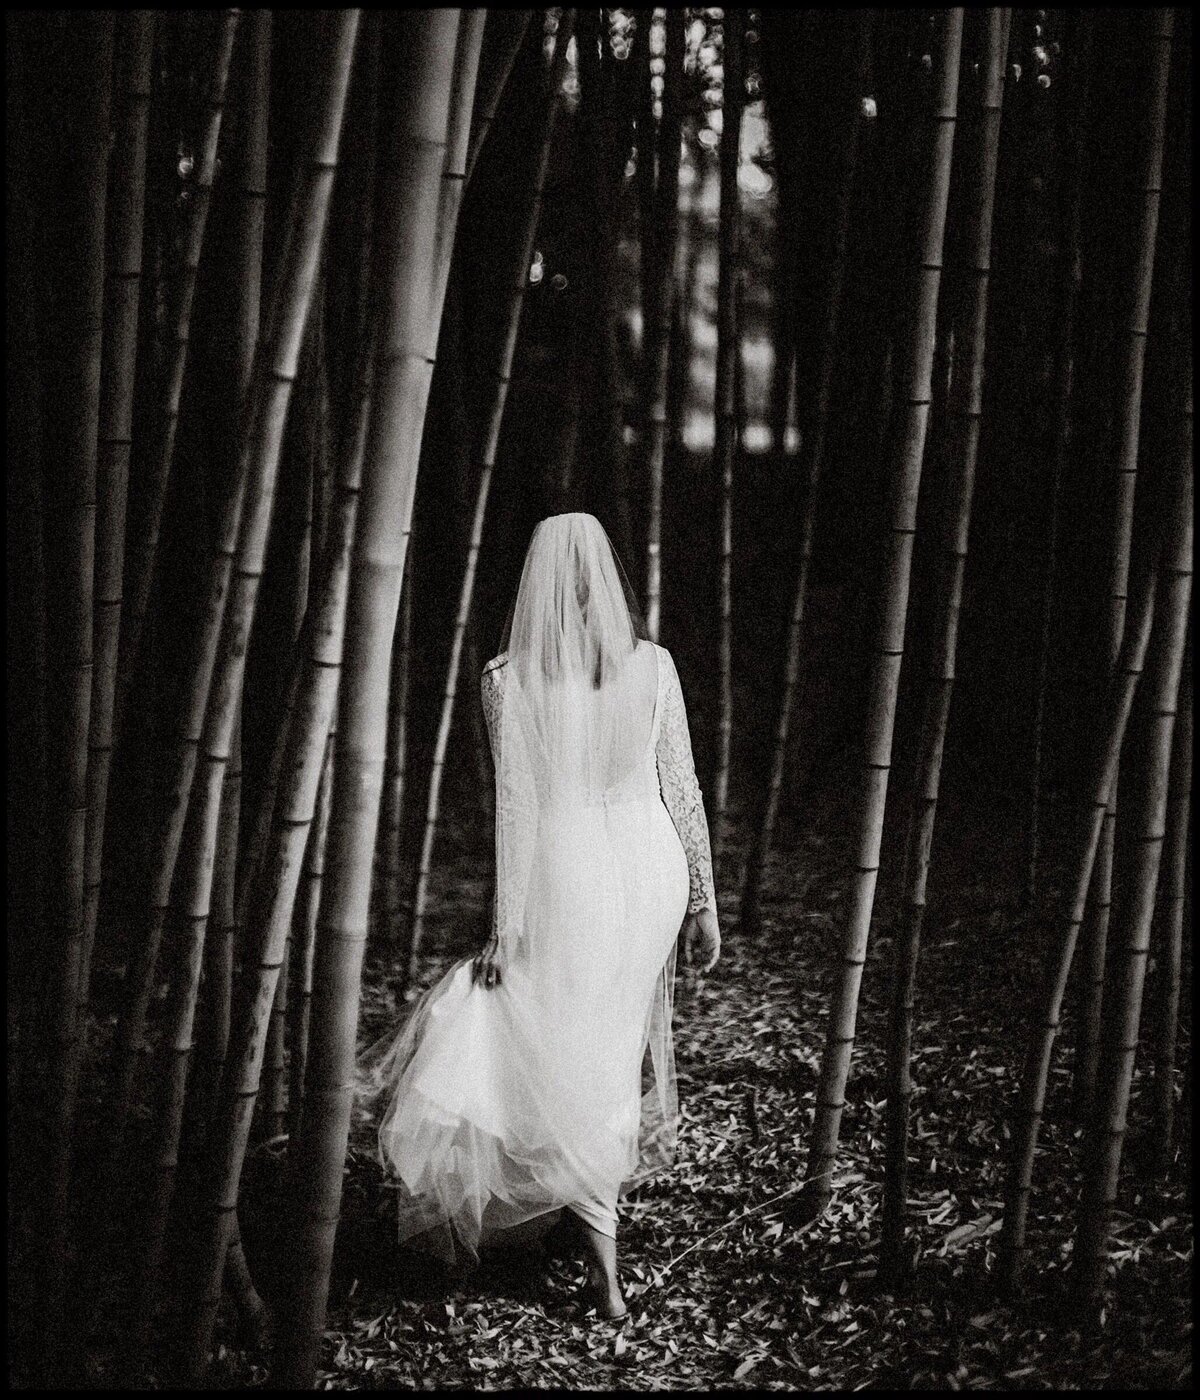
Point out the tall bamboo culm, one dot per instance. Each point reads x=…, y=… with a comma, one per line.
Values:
x=1169, y=959
x=725, y=444
x=271, y=899
x=142, y=551
x=271, y=892
x=492, y=421
x=814, y=440
x=1105, y=1137
x=71, y=382
x=916, y=370
x=214, y=679
x=303, y=588
x=386, y=887
x=979, y=148
x=244, y=294
x=123, y=279
x=193, y=885
x=395, y=773
x=411, y=170
x=1158, y=24
x=1035, y=1075
x=305, y=930
x=1078, y=49
x=496, y=78
x=662, y=241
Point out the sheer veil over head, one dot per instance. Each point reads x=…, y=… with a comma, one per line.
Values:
x=572, y=643
x=574, y=612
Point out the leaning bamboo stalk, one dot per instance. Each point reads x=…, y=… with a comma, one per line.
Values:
x=274, y=1100
x=725, y=443
x=412, y=178
x=518, y=280
x=271, y=898
x=1171, y=923
x=123, y=277
x=305, y=924
x=72, y=376
x=814, y=452
x=395, y=773
x=240, y=540
x=659, y=298
x=385, y=887
x=1070, y=281
x=489, y=100
x=1160, y=22
x=213, y=1038
x=1110, y=1110
x=195, y=871
x=1110, y=732
x=889, y=641
x=484, y=770
x=454, y=177
x=965, y=408
x=142, y=554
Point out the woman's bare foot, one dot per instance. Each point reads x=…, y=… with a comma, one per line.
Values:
x=603, y=1290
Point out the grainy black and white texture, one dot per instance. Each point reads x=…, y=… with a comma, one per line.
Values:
x=312, y=315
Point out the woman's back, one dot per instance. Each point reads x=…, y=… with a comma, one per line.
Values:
x=582, y=740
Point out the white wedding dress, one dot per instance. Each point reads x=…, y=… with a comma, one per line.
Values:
x=556, y=1087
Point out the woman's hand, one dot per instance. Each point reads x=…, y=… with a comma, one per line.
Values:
x=486, y=967
x=702, y=939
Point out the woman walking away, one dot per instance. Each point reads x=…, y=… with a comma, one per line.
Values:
x=540, y=1074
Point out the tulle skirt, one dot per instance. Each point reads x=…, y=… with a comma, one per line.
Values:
x=557, y=1087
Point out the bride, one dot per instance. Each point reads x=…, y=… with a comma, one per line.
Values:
x=540, y=1074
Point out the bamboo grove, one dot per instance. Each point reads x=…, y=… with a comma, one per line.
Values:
x=311, y=315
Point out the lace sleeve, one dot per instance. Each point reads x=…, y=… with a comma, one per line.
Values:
x=516, y=807
x=681, y=790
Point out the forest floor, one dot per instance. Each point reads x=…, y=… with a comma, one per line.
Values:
x=722, y=1290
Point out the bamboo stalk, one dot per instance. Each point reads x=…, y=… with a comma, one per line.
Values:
x=1159, y=23
x=658, y=299
x=814, y=440
x=213, y=1038
x=240, y=541
x=195, y=872
x=493, y=420
x=72, y=382
x=488, y=101
x=271, y=899
x=1171, y=925
x=1110, y=1109
x=308, y=906
x=412, y=179
x=1110, y=733
x=965, y=408
x=273, y=1104
x=123, y=277
x=271, y=896
x=395, y=773
x=725, y=443
x=1078, y=50
x=386, y=884
x=889, y=644
x=142, y=553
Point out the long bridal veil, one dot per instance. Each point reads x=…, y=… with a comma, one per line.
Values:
x=502, y=1104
